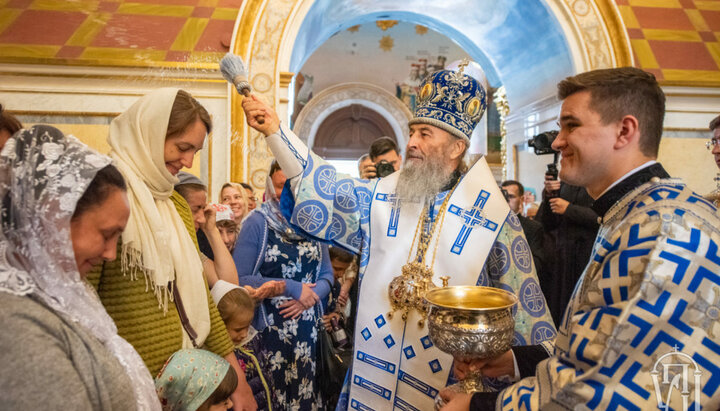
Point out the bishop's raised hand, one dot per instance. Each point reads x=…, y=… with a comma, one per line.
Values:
x=254, y=108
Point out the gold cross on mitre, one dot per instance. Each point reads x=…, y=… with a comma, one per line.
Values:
x=463, y=63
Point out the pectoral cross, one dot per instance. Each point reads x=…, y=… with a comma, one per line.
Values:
x=475, y=216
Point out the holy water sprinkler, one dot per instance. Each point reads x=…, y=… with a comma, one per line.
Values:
x=233, y=70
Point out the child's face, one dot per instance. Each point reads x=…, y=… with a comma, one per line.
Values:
x=228, y=236
x=238, y=326
x=339, y=268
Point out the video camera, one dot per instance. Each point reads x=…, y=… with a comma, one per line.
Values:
x=542, y=144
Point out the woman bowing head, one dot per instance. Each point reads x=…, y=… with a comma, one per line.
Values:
x=157, y=293
x=63, y=208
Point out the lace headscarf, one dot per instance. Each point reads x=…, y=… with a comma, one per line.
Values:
x=156, y=241
x=270, y=208
x=43, y=175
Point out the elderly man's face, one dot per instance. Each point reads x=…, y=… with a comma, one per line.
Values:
x=716, y=147
x=431, y=156
x=426, y=141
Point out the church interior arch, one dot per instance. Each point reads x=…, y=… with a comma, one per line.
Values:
x=527, y=48
x=78, y=65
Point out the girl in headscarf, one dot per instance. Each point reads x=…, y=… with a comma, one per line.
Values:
x=64, y=207
x=157, y=293
x=196, y=380
x=288, y=322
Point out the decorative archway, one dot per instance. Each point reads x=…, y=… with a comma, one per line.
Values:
x=266, y=32
x=347, y=132
x=334, y=98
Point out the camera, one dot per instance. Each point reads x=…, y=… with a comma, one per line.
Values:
x=542, y=144
x=383, y=168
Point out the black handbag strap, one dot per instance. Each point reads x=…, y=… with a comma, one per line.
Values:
x=183, y=316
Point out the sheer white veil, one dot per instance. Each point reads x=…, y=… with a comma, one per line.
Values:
x=43, y=174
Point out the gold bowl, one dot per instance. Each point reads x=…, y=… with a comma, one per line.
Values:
x=471, y=322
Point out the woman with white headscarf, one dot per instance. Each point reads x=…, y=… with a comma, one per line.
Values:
x=157, y=293
x=64, y=207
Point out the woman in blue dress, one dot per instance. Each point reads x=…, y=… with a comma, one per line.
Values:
x=268, y=249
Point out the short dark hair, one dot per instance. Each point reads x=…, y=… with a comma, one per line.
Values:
x=715, y=123
x=223, y=391
x=381, y=146
x=105, y=182
x=246, y=186
x=185, y=111
x=186, y=189
x=617, y=92
x=8, y=122
x=521, y=189
x=337, y=253
x=274, y=167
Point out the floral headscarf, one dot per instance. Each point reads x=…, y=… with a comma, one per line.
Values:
x=188, y=379
x=43, y=175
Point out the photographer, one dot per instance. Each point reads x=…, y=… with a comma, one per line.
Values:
x=385, y=159
x=570, y=227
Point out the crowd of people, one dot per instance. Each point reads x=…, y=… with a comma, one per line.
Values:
x=123, y=286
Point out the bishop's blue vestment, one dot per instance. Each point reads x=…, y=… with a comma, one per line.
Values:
x=480, y=242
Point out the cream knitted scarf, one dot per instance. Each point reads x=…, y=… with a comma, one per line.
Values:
x=156, y=241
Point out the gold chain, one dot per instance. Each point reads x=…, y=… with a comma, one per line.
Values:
x=423, y=244
x=417, y=229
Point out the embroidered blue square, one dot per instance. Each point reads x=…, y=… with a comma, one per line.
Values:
x=380, y=321
x=426, y=343
x=435, y=366
x=389, y=341
x=366, y=334
x=409, y=352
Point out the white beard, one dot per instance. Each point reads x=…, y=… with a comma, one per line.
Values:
x=421, y=182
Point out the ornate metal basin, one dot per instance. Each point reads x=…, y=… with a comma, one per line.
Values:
x=471, y=321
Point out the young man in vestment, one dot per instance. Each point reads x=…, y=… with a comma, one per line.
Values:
x=433, y=218
x=642, y=330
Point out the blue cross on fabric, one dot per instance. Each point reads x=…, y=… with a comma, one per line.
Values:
x=395, y=213
x=473, y=217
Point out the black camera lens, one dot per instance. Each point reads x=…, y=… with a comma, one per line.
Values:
x=542, y=143
x=383, y=168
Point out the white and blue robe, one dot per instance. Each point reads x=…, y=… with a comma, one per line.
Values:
x=643, y=324
x=395, y=365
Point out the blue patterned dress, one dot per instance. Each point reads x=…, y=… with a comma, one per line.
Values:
x=289, y=344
